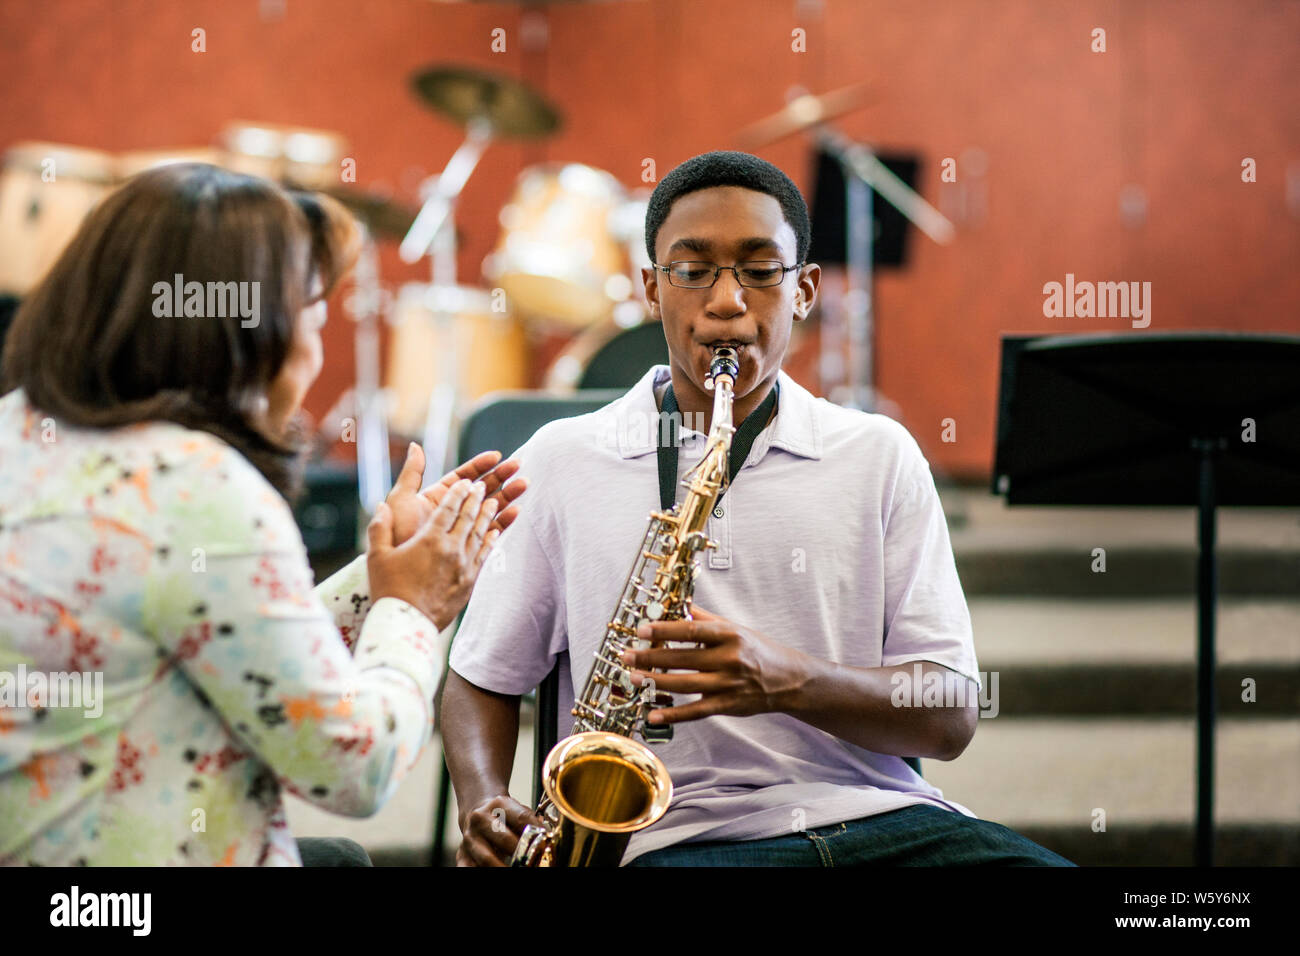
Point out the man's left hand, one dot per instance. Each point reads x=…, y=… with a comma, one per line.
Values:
x=736, y=670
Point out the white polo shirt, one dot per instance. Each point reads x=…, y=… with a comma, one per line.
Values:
x=832, y=540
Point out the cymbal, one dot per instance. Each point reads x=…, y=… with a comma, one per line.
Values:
x=802, y=113
x=463, y=93
x=383, y=216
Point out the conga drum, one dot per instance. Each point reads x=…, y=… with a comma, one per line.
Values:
x=46, y=190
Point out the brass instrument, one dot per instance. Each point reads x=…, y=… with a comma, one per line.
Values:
x=601, y=786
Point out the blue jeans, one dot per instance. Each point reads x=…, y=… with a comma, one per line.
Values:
x=917, y=835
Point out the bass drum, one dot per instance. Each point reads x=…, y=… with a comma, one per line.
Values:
x=489, y=349
x=46, y=190
x=560, y=258
x=608, y=356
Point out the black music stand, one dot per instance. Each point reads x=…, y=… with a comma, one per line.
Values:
x=1155, y=419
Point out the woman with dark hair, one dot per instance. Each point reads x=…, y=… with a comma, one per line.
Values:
x=166, y=667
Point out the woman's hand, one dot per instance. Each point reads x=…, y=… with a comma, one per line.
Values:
x=411, y=507
x=436, y=568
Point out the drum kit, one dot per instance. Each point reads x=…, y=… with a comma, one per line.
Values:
x=565, y=265
x=566, y=262
x=567, y=259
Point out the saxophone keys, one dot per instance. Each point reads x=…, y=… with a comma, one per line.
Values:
x=657, y=733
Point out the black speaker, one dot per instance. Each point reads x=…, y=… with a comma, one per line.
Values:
x=328, y=510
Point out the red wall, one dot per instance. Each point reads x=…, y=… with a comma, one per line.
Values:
x=1185, y=90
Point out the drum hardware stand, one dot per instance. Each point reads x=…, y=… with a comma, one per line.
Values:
x=368, y=303
x=488, y=105
x=866, y=175
x=435, y=229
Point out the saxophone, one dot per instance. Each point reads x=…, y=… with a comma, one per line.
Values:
x=600, y=785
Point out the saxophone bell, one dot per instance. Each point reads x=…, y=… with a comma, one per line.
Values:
x=600, y=789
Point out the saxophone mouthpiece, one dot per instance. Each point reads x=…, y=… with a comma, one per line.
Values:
x=725, y=362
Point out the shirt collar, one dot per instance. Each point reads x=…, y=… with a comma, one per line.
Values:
x=795, y=429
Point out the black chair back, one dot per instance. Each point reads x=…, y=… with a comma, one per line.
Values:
x=503, y=422
x=621, y=361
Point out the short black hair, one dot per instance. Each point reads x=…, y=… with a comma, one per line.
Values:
x=728, y=168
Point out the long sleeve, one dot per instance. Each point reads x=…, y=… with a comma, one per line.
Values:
x=346, y=595
x=232, y=605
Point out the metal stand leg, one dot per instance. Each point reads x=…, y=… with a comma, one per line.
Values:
x=440, y=815
x=1206, y=589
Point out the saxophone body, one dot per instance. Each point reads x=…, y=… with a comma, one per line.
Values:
x=600, y=784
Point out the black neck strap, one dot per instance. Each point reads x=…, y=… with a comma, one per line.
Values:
x=741, y=442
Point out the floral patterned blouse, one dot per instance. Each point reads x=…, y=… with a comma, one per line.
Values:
x=158, y=563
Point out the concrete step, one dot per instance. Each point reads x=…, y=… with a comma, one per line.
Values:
x=1127, y=656
x=1024, y=550
x=1163, y=844
x=1131, y=631
x=1046, y=778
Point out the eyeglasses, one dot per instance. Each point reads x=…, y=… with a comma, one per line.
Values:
x=756, y=274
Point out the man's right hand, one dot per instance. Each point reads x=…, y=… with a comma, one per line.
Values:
x=490, y=830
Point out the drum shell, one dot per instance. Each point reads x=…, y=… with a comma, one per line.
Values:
x=46, y=191
x=490, y=349
x=558, y=258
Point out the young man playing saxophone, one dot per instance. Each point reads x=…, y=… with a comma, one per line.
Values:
x=833, y=575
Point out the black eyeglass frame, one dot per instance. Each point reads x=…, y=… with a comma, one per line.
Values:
x=717, y=271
